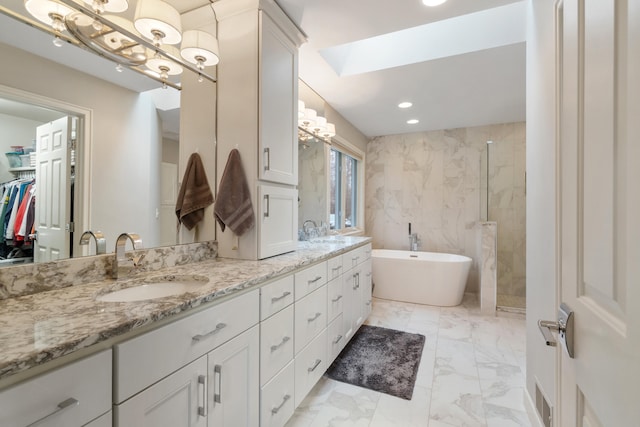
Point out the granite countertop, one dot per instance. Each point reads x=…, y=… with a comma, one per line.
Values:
x=38, y=328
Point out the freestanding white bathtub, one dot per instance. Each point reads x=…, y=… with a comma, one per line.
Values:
x=420, y=277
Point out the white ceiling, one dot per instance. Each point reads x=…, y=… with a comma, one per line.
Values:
x=461, y=64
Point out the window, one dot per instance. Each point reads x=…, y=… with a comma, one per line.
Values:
x=343, y=209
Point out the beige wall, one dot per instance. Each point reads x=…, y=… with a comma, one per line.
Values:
x=345, y=131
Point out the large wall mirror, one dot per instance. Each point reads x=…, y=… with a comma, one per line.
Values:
x=122, y=171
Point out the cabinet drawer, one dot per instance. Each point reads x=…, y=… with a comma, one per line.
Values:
x=277, y=398
x=310, y=317
x=276, y=343
x=335, y=298
x=146, y=359
x=310, y=365
x=335, y=339
x=275, y=296
x=356, y=256
x=87, y=382
x=310, y=279
x=334, y=267
x=104, y=421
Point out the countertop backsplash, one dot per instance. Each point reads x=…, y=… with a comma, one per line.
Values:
x=27, y=279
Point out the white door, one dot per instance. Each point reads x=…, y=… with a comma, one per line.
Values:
x=599, y=88
x=234, y=375
x=176, y=401
x=53, y=190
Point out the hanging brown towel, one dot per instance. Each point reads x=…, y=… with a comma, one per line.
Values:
x=195, y=194
x=233, y=207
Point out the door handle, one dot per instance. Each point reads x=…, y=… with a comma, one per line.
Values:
x=563, y=326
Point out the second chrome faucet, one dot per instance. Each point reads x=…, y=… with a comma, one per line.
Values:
x=123, y=265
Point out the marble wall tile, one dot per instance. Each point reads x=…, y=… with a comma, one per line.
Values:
x=437, y=181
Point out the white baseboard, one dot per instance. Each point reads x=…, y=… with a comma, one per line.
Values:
x=534, y=418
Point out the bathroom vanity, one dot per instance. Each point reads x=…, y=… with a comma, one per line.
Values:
x=242, y=349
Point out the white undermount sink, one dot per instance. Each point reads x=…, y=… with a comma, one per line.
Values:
x=153, y=288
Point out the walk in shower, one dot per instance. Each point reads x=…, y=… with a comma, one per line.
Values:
x=502, y=199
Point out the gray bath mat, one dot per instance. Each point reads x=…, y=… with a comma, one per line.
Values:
x=380, y=359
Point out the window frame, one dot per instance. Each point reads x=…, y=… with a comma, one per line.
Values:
x=346, y=148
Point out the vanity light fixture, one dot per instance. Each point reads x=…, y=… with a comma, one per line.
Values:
x=311, y=126
x=432, y=3
x=413, y=121
x=153, y=41
x=405, y=104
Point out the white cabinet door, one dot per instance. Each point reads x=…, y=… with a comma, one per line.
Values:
x=176, y=401
x=348, y=314
x=278, y=94
x=235, y=382
x=277, y=217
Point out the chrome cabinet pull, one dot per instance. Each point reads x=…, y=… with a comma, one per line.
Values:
x=336, y=268
x=283, y=342
x=65, y=404
x=368, y=302
x=355, y=259
x=356, y=280
x=202, y=381
x=266, y=203
x=275, y=409
x=217, y=371
x=218, y=328
x=337, y=340
x=284, y=295
x=267, y=161
x=315, y=365
x=311, y=319
x=336, y=299
x=314, y=280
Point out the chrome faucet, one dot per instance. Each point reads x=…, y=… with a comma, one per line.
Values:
x=414, y=241
x=307, y=234
x=101, y=242
x=123, y=265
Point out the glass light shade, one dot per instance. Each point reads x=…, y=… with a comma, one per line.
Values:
x=200, y=48
x=300, y=109
x=309, y=118
x=329, y=131
x=320, y=125
x=114, y=6
x=433, y=2
x=158, y=21
x=48, y=11
x=162, y=65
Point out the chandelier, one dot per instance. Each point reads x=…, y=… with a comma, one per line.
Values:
x=153, y=43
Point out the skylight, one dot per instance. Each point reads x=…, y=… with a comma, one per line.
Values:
x=500, y=26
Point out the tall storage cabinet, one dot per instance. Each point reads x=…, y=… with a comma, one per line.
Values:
x=257, y=114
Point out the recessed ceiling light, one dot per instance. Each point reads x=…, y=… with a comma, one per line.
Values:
x=433, y=2
x=413, y=121
x=405, y=104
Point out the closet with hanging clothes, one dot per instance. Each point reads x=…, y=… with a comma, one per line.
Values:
x=17, y=218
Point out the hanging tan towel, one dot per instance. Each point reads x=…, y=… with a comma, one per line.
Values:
x=233, y=207
x=195, y=194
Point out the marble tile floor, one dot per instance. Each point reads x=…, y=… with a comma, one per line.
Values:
x=472, y=373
